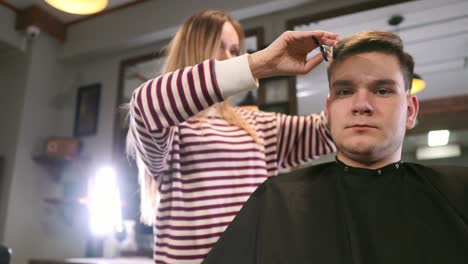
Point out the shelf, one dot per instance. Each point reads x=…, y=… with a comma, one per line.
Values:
x=56, y=165
x=61, y=201
x=43, y=160
x=139, y=253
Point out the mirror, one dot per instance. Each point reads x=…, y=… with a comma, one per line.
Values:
x=133, y=72
x=274, y=94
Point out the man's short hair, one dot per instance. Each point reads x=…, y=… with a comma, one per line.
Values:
x=374, y=41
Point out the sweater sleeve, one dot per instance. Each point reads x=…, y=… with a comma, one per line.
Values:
x=160, y=104
x=302, y=138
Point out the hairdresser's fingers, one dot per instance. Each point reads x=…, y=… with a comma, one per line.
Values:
x=312, y=63
x=305, y=41
x=308, y=34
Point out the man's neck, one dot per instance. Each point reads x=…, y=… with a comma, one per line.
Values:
x=367, y=163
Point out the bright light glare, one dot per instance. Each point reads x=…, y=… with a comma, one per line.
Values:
x=438, y=138
x=438, y=152
x=104, y=203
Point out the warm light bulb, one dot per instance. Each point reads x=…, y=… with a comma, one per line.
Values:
x=80, y=7
x=417, y=85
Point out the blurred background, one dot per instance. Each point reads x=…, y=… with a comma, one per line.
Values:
x=67, y=189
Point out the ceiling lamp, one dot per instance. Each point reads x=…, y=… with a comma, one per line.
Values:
x=80, y=7
x=438, y=137
x=418, y=83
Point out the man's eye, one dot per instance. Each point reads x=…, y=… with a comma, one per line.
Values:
x=342, y=92
x=383, y=91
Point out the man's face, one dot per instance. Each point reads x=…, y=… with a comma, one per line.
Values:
x=369, y=109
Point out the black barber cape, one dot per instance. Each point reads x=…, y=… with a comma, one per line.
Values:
x=332, y=213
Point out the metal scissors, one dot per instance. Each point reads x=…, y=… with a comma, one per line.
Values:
x=322, y=49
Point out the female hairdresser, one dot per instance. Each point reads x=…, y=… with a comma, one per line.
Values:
x=199, y=158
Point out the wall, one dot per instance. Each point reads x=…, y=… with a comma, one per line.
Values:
x=32, y=228
x=155, y=21
x=13, y=64
x=275, y=23
x=7, y=28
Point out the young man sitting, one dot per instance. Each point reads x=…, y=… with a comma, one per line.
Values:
x=368, y=206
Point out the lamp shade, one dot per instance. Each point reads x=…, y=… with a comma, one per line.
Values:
x=418, y=84
x=80, y=7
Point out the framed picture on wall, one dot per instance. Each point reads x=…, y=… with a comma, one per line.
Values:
x=87, y=110
x=133, y=72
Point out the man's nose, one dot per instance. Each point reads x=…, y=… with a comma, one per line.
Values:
x=362, y=103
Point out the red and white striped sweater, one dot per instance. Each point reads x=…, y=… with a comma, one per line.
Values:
x=207, y=168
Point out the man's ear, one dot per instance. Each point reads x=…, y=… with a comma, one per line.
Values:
x=412, y=113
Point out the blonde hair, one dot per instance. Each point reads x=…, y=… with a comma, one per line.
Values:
x=198, y=39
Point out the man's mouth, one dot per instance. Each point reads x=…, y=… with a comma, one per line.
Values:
x=361, y=126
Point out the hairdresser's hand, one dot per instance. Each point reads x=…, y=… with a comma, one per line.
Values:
x=287, y=54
